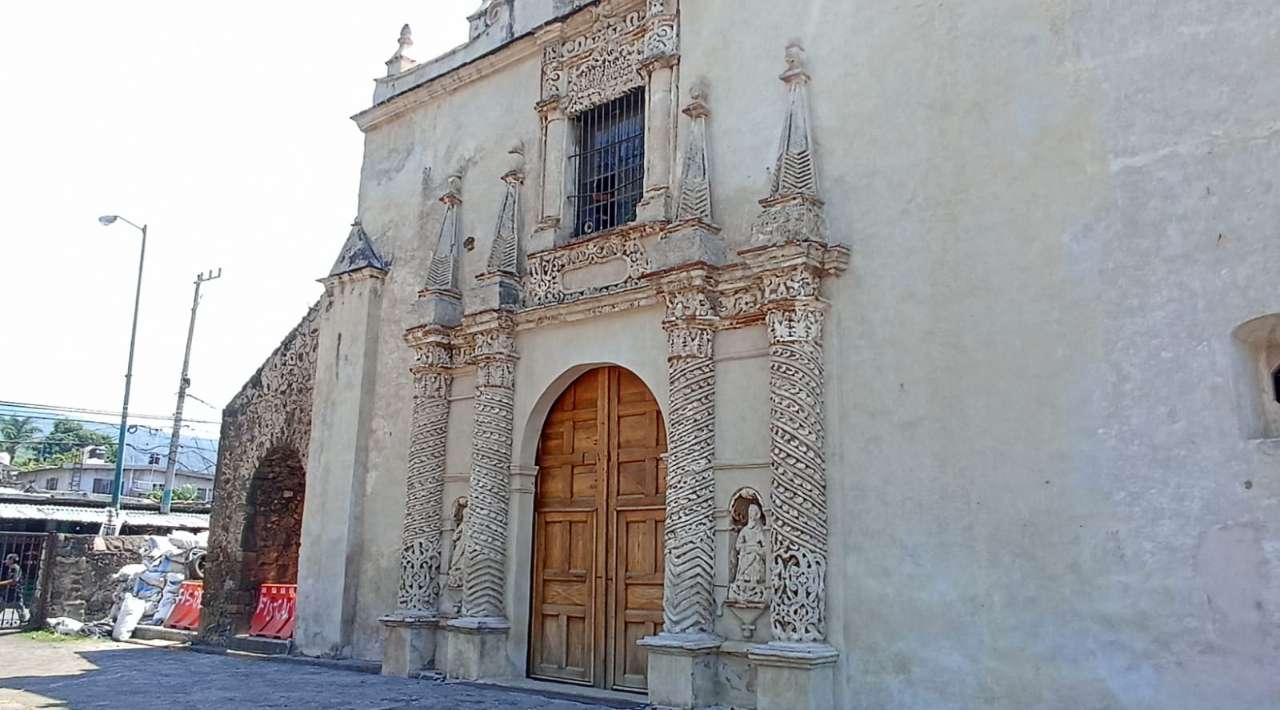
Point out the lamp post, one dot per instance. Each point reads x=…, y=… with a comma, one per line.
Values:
x=118, y=484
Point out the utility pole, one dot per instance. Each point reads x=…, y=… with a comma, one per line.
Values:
x=166, y=499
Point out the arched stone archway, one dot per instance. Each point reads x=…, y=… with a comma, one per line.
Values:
x=262, y=460
x=273, y=520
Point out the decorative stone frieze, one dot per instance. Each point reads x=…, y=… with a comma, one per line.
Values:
x=545, y=284
x=600, y=61
x=484, y=590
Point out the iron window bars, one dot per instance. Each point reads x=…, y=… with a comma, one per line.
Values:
x=609, y=164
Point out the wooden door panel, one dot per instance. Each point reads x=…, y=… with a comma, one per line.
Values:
x=598, y=533
x=639, y=579
x=564, y=596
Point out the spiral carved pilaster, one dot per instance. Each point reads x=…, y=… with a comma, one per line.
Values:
x=424, y=490
x=798, y=526
x=688, y=599
x=486, y=554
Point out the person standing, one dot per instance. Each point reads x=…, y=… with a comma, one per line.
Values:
x=11, y=587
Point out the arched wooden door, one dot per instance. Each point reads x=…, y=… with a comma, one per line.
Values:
x=598, y=528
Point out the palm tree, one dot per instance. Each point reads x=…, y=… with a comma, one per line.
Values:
x=15, y=432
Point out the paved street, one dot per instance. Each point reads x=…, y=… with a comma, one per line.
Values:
x=84, y=675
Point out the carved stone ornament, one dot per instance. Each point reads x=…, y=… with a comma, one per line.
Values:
x=458, y=546
x=695, y=178
x=798, y=529
x=602, y=60
x=749, y=568
x=545, y=282
x=504, y=256
x=793, y=210
x=443, y=274
x=420, y=552
x=484, y=590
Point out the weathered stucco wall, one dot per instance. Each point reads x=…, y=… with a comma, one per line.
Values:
x=1058, y=213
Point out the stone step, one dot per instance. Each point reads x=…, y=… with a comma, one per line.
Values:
x=260, y=645
x=145, y=632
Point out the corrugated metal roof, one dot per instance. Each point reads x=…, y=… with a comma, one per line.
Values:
x=74, y=514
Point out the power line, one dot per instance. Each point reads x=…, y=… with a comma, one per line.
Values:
x=101, y=412
x=66, y=418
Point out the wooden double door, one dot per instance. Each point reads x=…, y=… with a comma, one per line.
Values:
x=598, y=533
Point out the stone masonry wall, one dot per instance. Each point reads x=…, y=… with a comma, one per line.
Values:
x=79, y=573
x=268, y=422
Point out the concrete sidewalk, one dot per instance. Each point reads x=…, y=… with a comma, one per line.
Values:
x=95, y=675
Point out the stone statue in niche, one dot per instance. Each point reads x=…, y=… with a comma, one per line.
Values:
x=748, y=594
x=750, y=576
x=457, y=570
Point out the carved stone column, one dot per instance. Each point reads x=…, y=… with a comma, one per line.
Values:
x=659, y=66
x=410, y=644
x=681, y=669
x=477, y=640
x=555, y=137
x=795, y=671
x=796, y=667
x=410, y=629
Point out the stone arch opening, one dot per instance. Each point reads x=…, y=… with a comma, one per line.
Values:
x=273, y=520
x=598, y=532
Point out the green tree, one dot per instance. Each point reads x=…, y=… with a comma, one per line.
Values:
x=183, y=494
x=64, y=442
x=17, y=432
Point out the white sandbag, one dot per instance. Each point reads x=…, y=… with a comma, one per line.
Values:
x=184, y=540
x=129, y=572
x=131, y=611
x=169, y=599
x=64, y=625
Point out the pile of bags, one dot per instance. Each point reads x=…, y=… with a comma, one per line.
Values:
x=147, y=590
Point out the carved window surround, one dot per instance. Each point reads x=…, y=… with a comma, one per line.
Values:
x=592, y=57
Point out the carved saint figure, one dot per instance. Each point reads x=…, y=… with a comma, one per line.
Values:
x=751, y=551
x=457, y=573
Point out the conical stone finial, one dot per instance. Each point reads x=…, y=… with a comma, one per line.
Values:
x=793, y=210
x=695, y=178
x=399, y=62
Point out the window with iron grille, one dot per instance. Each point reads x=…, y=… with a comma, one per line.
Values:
x=609, y=164
x=51, y=484
x=102, y=485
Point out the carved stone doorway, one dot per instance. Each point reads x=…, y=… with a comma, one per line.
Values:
x=598, y=533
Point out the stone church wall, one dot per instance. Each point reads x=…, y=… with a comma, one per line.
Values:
x=255, y=525
x=1058, y=214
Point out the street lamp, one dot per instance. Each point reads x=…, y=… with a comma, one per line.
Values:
x=118, y=485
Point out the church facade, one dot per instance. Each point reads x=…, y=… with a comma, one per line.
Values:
x=796, y=355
